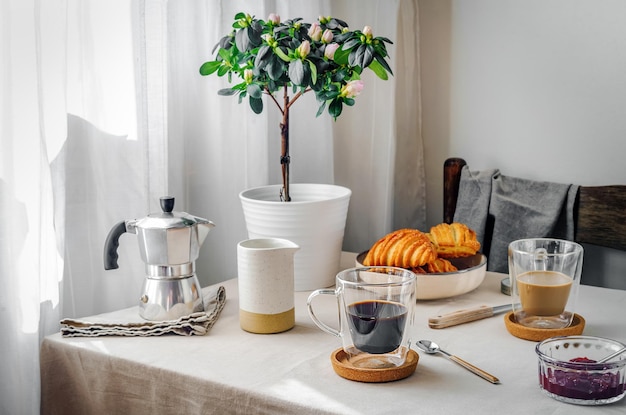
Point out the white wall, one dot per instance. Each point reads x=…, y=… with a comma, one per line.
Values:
x=536, y=88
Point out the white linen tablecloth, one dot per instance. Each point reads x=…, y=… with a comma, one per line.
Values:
x=232, y=371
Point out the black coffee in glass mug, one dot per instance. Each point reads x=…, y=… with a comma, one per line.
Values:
x=377, y=326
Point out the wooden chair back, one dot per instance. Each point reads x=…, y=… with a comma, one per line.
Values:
x=599, y=211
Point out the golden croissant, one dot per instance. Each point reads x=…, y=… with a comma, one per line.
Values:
x=453, y=240
x=440, y=265
x=406, y=248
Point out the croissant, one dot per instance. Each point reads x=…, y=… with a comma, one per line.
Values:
x=440, y=265
x=453, y=240
x=406, y=248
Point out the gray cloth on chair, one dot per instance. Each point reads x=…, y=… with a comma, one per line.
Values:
x=511, y=208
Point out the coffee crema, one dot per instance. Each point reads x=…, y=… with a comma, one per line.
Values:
x=377, y=326
x=543, y=293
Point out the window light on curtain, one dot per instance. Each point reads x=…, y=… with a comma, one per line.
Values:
x=102, y=110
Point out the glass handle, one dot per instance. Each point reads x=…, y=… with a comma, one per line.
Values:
x=317, y=322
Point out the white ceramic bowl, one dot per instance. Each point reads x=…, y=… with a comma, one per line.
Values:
x=471, y=273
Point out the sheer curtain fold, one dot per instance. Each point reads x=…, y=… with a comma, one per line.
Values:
x=409, y=169
x=29, y=261
x=102, y=111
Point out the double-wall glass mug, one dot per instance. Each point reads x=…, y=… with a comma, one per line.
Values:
x=376, y=313
x=545, y=277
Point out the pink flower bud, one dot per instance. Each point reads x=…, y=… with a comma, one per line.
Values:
x=304, y=49
x=352, y=89
x=274, y=19
x=248, y=75
x=367, y=31
x=315, y=32
x=329, y=52
x=327, y=36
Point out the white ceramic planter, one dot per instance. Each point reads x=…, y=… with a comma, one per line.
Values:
x=315, y=220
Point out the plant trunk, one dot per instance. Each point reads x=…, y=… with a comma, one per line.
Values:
x=284, y=155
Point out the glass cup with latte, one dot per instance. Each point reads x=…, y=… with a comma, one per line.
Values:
x=376, y=307
x=545, y=276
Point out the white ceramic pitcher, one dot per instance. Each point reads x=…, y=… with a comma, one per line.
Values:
x=266, y=285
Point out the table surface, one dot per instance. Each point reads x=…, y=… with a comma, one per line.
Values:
x=232, y=371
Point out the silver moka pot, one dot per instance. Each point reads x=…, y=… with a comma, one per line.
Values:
x=169, y=243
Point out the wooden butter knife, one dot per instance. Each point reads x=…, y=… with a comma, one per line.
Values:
x=466, y=315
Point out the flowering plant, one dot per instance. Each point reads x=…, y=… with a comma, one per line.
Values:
x=324, y=57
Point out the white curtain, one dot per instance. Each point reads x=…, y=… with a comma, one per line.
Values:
x=102, y=110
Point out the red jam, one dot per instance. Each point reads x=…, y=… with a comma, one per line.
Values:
x=590, y=385
x=582, y=360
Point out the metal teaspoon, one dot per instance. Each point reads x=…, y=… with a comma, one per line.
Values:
x=611, y=356
x=432, y=348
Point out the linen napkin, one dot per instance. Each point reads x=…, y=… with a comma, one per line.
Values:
x=503, y=209
x=132, y=324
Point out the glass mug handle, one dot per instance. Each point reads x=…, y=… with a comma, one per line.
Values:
x=317, y=322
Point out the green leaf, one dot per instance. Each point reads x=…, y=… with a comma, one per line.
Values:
x=341, y=56
x=256, y=104
x=275, y=69
x=327, y=95
x=242, y=41
x=368, y=56
x=263, y=56
x=320, y=110
x=313, y=73
x=384, y=64
x=356, y=56
x=334, y=22
x=222, y=70
x=349, y=101
x=227, y=92
x=378, y=70
x=335, y=107
x=296, y=72
x=208, y=68
x=278, y=51
x=240, y=15
x=224, y=54
x=350, y=44
x=223, y=43
x=340, y=75
x=254, y=91
x=381, y=49
x=254, y=34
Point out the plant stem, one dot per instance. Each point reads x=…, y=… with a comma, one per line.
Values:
x=284, y=156
x=284, y=136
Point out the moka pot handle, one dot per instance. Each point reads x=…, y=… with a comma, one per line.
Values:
x=111, y=244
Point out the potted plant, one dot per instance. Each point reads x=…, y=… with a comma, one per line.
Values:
x=283, y=61
x=273, y=57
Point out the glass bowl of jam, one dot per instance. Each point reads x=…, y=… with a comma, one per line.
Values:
x=569, y=370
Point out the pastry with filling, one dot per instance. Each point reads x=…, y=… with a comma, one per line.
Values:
x=454, y=240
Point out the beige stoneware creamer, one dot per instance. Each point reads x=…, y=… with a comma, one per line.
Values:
x=266, y=285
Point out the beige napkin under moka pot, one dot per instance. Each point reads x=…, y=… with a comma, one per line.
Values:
x=169, y=243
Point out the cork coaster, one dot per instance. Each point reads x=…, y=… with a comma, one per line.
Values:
x=346, y=370
x=537, y=335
